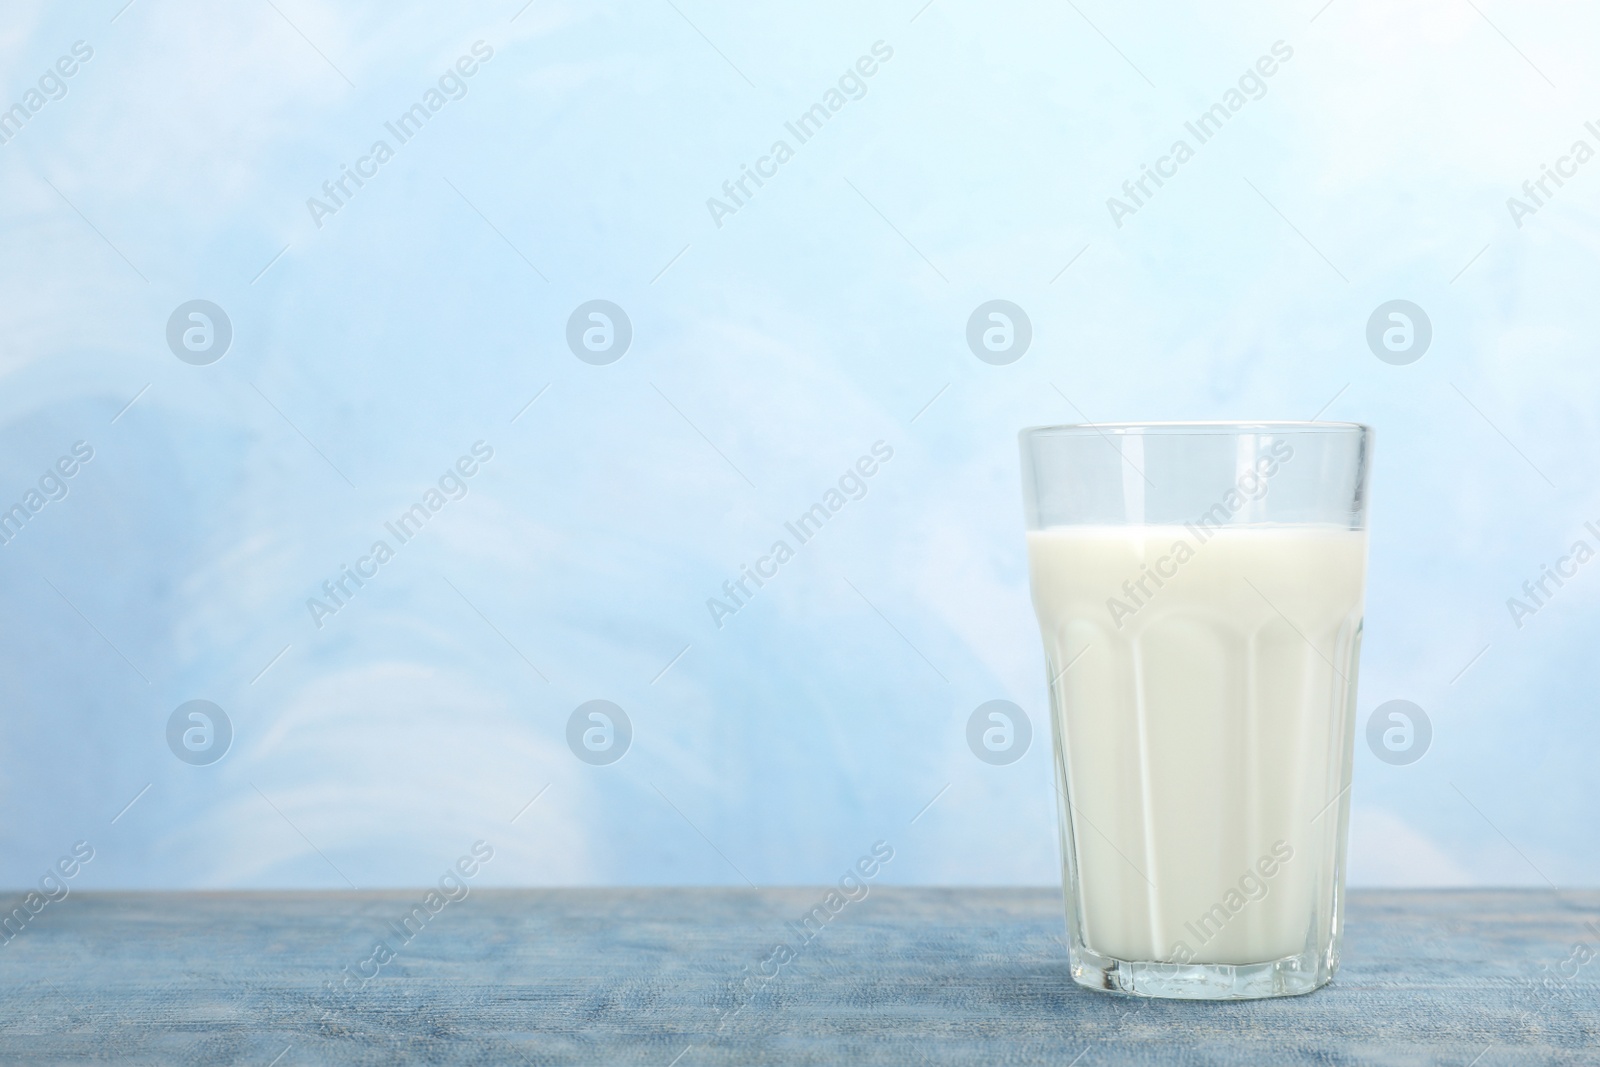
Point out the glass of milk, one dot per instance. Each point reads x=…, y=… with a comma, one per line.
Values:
x=1199, y=589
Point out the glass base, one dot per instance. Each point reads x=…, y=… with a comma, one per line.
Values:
x=1291, y=976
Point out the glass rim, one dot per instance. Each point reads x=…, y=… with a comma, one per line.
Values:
x=1075, y=429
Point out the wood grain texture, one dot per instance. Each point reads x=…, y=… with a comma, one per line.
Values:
x=652, y=976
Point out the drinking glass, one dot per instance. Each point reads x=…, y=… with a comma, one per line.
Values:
x=1199, y=590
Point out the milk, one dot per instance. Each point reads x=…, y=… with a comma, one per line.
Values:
x=1202, y=703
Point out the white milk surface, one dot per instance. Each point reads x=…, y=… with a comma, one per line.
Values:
x=1205, y=723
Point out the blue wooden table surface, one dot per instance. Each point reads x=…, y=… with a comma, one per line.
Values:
x=693, y=976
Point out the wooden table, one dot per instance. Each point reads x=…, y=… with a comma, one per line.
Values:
x=655, y=976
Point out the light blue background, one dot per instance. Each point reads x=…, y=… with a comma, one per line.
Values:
x=821, y=318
